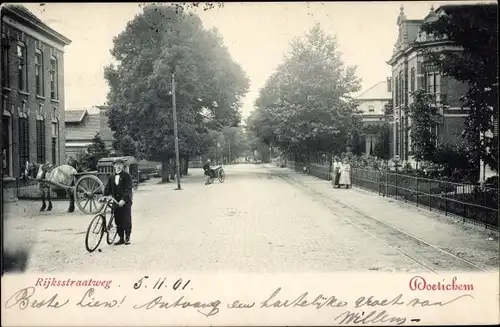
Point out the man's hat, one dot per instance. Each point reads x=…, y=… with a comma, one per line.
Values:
x=119, y=161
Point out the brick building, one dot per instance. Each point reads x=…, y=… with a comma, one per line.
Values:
x=411, y=70
x=372, y=104
x=32, y=69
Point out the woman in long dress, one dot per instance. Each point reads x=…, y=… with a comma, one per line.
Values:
x=345, y=173
x=336, y=172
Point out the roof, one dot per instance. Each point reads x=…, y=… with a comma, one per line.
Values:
x=23, y=13
x=85, y=130
x=74, y=116
x=128, y=160
x=377, y=91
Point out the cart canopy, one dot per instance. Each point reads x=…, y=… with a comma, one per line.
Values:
x=129, y=160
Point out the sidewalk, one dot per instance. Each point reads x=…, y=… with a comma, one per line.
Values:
x=467, y=241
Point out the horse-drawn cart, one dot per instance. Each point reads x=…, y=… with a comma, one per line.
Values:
x=89, y=187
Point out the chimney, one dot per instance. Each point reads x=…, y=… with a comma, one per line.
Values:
x=389, y=84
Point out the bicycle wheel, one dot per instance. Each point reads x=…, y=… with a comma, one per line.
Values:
x=95, y=230
x=221, y=176
x=111, y=230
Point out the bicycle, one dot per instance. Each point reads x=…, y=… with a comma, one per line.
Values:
x=101, y=226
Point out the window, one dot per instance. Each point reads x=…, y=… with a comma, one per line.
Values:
x=401, y=88
x=406, y=138
x=55, y=134
x=421, y=76
x=39, y=72
x=396, y=84
x=22, y=71
x=53, y=78
x=433, y=83
x=412, y=79
x=40, y=141
x=6, y=140
x=5, y=62
x=371, y=108
x=24, y=142
x=397, y=137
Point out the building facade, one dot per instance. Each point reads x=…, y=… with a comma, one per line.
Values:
x=373, y=105
x=412, y=70
x=32, y=69
x=81, y=127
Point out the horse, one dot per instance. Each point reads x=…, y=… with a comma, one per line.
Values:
x=64, y=175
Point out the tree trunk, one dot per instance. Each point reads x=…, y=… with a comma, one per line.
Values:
x=186, y=167
x=182, y=162
x=172, y=169
x=165, y=170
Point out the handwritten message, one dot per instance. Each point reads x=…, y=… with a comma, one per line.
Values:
x=164, y=293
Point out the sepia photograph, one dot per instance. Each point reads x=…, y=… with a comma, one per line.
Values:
x=280, y=137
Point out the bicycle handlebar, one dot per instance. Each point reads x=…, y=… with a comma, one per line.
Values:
x=109, y=199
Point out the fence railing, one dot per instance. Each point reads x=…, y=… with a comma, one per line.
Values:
x=472, y=202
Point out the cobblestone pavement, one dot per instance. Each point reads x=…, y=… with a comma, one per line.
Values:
x=255, y=221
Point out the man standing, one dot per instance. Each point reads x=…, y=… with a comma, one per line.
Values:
x=206, y=168
x=119, y=186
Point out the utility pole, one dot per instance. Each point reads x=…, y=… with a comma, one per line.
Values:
x=229, y=159
x=176, y=136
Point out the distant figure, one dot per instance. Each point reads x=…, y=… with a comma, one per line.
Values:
x=336, y=166
x=345, y=173
x=206, y=169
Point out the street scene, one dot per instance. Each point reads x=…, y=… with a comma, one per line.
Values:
x=168, y=139
x=261, y=219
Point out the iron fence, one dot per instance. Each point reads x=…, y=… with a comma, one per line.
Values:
x=472, y=202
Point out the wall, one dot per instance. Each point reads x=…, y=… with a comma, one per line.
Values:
x=52, y=109
x=379, y=106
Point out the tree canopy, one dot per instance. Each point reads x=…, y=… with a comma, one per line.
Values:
x=159, y=42
x=306, y=104
x=474, y=28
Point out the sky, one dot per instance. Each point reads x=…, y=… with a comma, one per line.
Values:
x=256, y=34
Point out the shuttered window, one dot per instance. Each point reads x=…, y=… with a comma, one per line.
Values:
x=24, y=141
x=40, y=141
x=55, y=135
x=6, y=145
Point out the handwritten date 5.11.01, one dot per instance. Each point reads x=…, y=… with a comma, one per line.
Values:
x=162, y=283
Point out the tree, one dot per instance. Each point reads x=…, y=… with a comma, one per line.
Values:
x=381, y=149
x=87, y=160
x=306, y=105
x=474, y=29
x=209, y=84
x=126, y=146
x=424, y=116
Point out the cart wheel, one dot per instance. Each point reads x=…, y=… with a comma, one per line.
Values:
x=88, y=190
x=95, y=232
x=222, y=175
